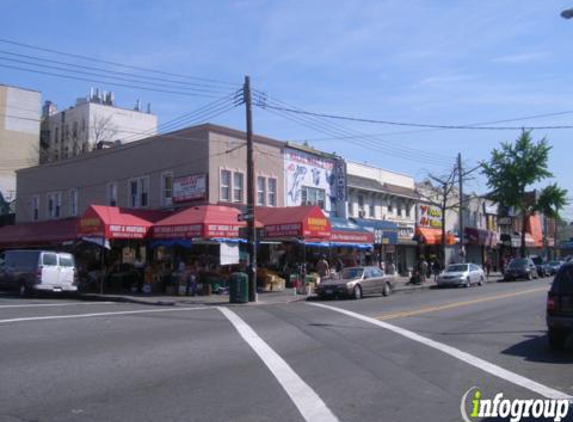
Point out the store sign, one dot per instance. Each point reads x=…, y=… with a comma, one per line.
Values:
x=317, y=227
x=120, y=231
x=350, y=237
x=283, y=230
x=430, y=216
x=190, y=188
x=91, y=225
x=180, y=231
x=229, y=254
x=340, y=181
x=222, y=230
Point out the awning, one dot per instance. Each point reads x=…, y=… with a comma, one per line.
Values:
x=117, y=223
x=385, y=232
x=433, y=236
x=481, y=237
x=533, y=227
x=203, y=222
x=346, y=231
x=38, y=233
x=307, y=222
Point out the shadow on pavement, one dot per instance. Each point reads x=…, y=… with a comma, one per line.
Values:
x=536, y=349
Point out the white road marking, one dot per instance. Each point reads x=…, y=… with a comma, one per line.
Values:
x=99, y=314
x=308, y=403
x=41, y=305
x=479, y=363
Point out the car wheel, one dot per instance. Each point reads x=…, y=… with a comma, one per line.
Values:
x=481, y=281
x=357, y=292
x=556, y=338
x=529, y=276
x=386, y=290
x=468, y=283
x=24, y=290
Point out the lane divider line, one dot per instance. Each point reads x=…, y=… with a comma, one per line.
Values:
x=307, y=401
x=468, y=358
x=99, y=314
x=387, y=317
x=42, y=305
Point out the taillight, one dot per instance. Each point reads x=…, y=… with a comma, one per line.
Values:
x=551, y=305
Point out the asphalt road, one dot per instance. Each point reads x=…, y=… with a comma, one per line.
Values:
x=411, y=357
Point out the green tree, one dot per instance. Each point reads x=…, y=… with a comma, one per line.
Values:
x=512, y=170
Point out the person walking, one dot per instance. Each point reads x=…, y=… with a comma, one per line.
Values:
x=322, y=267
x=436, y=268
x=423, y=270
x=487, y=266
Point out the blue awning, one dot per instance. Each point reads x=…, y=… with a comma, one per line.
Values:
x=566, y=245
x=385, y=232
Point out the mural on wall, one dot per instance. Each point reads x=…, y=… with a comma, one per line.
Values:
x=307, y=170
x=430, y=216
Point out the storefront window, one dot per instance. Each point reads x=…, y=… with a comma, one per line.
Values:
x=238, y=187
x=272, y=184
x=261, y=190
x=225, y=186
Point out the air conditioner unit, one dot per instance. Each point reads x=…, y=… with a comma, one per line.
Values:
x=361, y=214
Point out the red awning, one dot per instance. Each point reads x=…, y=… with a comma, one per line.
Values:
x=533, y=228
x=308, y=222
x=205, y=221
x=433, y=236
x=117, y=223
x=38, y=233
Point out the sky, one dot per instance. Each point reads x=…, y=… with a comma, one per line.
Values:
x=426, y=62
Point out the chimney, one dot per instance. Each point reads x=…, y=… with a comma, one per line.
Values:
x=137, y=105
x=148, y=108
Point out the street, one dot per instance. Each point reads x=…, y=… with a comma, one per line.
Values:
x=66, y=360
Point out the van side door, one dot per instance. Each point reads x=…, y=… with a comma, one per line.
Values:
x=50, y=268
x=67, y=269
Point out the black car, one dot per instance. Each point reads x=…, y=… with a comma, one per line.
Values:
x=560, y=307
x=520, y=268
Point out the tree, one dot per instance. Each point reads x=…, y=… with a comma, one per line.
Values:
x=103, y=129
x=440, y=192
x=512, y=171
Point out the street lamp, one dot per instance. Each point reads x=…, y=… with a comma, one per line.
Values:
x=567, y=14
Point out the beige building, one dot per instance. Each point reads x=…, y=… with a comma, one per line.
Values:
x=204, y=164
x=93, y=122
x=19, y=134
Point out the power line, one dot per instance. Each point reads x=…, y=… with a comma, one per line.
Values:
x=117, y=78
x=125, y=66
x=107, y=82
x=436, y=126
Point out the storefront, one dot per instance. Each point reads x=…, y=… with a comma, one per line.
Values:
x=385, y=236
x=351, y=243
x=481, y=245
x=55, y=234
x=430, y=242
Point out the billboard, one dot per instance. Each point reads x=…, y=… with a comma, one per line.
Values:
x=190, y=188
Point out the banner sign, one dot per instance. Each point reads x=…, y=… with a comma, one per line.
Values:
x=430, y=216
x=190, y=188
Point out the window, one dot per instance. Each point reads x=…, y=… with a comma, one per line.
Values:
x=272, y=185
x=83, y=124
x=35, y=207
x=56, y=135
x=313, y=196
x=399, y=209
x=238, y=179
x=112, y=194
x=390, y=207
x=54, y=204
x=360, y=202
x=73, y=202
x=408, y=210
x=139, y=192
x=261, y=190
x=167, y=189
x=372, y=210
x=50, y=259
x=75, y=130
x=225, y=184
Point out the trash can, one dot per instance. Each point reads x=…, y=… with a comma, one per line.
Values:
x=239, y=288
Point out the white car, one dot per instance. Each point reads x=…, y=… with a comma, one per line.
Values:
x=461, y=275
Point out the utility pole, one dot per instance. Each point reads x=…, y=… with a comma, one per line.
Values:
x=461, y=206
x=251, y=229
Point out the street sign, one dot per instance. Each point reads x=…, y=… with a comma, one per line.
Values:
x=244, y=217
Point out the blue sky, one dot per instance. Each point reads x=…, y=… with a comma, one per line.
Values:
x=437, y=62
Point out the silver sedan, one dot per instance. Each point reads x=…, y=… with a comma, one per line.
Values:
x=357, y=282
x=461, y=275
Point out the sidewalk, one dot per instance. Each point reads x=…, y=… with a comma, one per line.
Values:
x=264, y=298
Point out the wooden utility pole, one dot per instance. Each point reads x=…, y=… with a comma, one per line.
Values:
x=461, y=207
x=250, y=217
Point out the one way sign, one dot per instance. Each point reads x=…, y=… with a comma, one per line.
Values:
x=245, y=217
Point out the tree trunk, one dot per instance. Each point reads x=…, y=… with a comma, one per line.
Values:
x=523, y=226
x=443, y=257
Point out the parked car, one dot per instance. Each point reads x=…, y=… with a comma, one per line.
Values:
x=553, y=267
x=461, y=275
x=560, y=307
x=31, y=271
x=540, y=265
x=357, y=282
x=520, y=268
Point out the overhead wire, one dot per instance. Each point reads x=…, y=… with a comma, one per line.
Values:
x=92, y=59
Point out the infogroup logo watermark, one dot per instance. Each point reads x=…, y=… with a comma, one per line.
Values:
x=475, y=407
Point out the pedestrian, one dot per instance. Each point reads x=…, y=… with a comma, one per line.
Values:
x=487, y=266
x=390, y=268
x=339, y=265
x=322, y=267
x=436, y=269
x=423, y=270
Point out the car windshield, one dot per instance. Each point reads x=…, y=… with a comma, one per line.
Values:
x=457, y=268
x=552, y=263
x=518, y=263
x=352, y=273
x=563, y=283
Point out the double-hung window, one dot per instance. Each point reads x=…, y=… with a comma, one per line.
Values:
x=73, y=202
x=225, y=186
x=238, y=186
x=139, y=192
x=272, y=192
x=313, y=196
x=112, y=194
x=261, y=190
x=35, y=207
x=167, y=189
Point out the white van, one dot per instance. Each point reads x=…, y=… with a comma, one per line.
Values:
x=31, y=271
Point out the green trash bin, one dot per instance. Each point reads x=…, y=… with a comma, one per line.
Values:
x=239, y=288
